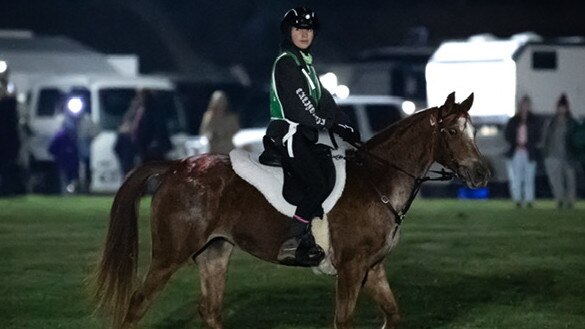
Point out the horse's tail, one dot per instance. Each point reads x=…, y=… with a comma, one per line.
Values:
x=116, y=273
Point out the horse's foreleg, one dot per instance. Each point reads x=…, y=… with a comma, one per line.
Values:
x=379, y=289
x=349, y=281
x=158, y=275
x=213, y=264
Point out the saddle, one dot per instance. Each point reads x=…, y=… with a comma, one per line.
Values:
x=270, y=179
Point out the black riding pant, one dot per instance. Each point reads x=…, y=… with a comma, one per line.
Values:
x=311, y=174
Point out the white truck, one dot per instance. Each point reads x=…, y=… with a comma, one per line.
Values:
x=499, y=72
x=106, y=98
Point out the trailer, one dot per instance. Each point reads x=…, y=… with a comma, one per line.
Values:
x=499, y=72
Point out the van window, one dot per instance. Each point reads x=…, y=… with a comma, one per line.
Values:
x=115, y=102
x=49, y=101
x=381, y=116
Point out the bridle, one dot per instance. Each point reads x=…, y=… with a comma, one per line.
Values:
x=361, y=153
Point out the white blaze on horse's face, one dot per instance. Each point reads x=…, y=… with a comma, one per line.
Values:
x=466, y=128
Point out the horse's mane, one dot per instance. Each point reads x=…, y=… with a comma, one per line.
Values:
x=397, y=127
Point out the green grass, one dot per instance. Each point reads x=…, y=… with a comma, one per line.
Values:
x=458, y=265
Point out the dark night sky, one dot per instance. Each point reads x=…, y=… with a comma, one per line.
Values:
x=171, y=35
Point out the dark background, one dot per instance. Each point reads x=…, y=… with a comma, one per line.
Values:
x=183, y=35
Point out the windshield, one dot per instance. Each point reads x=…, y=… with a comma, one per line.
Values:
x=54, y=100
x=115, y=102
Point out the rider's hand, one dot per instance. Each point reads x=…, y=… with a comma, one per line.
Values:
x=347, y=133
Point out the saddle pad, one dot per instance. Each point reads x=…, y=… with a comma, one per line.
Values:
x=269, y=180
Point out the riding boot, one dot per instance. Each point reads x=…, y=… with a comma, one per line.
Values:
x=300, y=248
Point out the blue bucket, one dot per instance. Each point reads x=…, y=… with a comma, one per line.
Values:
x=465, y=193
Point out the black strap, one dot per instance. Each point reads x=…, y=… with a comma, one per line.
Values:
x=399, y=215
x=333, y=141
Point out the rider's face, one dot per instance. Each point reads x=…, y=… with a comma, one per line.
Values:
x=302, y=38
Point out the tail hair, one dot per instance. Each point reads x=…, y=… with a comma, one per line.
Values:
x=116, y=273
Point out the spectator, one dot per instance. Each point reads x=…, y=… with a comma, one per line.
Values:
x=219, y=124
x=559, y=158
x=124, y=147
x=522, y=134
x=11, y=182
x=86, y=132
x=150, y=133
x=63, y=147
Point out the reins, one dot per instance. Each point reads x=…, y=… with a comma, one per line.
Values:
x=399, y=214
x=358, y=157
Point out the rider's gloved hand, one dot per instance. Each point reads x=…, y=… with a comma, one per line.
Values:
x=347, y=133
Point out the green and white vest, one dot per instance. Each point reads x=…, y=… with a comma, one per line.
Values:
x=276, y=110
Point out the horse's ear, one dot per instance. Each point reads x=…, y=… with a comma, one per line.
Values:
x=467, y=103
x=449, y=102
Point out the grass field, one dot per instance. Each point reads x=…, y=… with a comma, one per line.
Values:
x=458, y=265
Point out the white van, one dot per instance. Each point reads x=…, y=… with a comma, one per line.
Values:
x=371, y=114
x=106, y=98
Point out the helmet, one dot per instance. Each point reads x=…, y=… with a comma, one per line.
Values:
x=300, y=17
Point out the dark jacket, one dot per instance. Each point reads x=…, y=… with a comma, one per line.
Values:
x=9, y=136
x=549, y=127
x=63, y=147
x=533, y=129
x=152, y=135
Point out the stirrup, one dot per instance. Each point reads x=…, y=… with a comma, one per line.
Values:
x=300, y=251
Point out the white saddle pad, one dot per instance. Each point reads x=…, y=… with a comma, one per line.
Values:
x=269, y=180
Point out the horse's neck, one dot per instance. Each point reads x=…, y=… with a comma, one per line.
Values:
x=409, y=146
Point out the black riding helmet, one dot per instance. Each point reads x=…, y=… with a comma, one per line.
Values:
x=300, y=17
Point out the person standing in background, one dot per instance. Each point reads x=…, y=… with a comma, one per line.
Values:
x=522, y=134
x=124, y=147
x=150, y=132
x=559, y=159
x=63, y=148
x=11, y=180
x=219, y=124
x=86, y=132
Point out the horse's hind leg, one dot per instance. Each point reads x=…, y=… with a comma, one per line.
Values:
x=379, y=289
x=158, y=275
x=213, y=264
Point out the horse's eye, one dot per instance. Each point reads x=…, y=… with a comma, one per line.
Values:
x=452, y=132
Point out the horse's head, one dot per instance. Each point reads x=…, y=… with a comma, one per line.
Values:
x=455, y=146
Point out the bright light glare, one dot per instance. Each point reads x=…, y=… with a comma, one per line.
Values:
x=329, y=81
x=3, y=66
x=488, y=131
x=75, y=105
x=342, y=91
x=408, y=107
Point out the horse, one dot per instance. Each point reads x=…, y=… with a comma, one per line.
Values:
x=202, y=209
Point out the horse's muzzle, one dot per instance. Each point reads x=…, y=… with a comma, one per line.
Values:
x=476, y=175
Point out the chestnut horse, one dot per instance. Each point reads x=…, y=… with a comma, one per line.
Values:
x=202, y=209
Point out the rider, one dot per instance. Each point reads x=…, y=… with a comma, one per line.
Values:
x=300, y=107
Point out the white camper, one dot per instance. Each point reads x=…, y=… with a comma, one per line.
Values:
x=499, y=72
